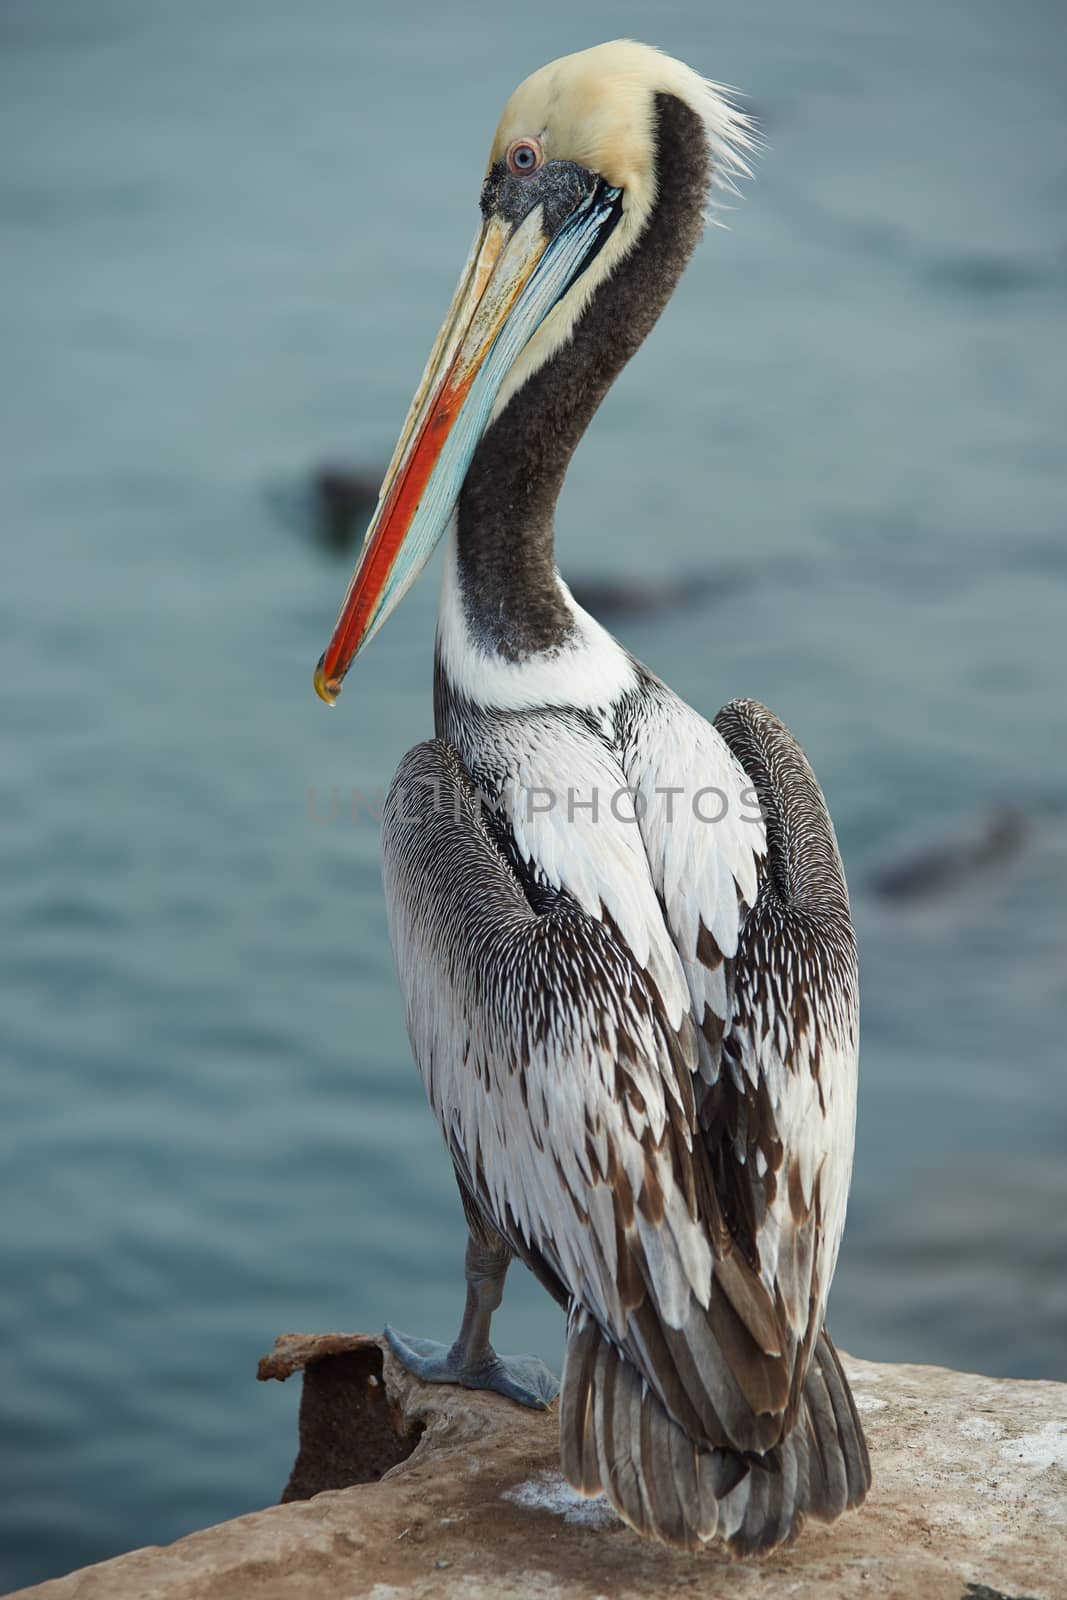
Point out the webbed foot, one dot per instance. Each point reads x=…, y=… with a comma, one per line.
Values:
x=525, y=1379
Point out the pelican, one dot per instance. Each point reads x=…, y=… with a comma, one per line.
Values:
x=622, y=932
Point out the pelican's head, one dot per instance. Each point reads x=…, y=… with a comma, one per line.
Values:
x=570, y=189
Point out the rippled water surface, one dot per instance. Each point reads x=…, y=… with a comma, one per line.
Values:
x=228, y=234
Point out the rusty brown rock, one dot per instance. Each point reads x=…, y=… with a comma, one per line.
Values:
x=351, y=1430
x=969, y=1503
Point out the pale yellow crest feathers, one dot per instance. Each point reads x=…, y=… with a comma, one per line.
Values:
x=597, y=108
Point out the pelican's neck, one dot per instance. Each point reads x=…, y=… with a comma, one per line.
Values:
x=512, y=598
x=586, y=669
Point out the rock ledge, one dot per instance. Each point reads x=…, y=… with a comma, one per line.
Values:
x=969, y=1503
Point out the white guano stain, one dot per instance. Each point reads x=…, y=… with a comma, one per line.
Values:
x=554, y=1494
x=981, y=1428
x=1045, y=1448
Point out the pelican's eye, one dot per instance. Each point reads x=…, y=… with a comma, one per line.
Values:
x=524, y=156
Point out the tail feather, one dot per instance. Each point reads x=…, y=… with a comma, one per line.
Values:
x=577, y=1431
x=833, y=1481
x=616, y=1436
x=820, y=1469
x=700, y=1512
x=849, y=1427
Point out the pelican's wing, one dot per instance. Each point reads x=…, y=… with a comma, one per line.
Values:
x=548, y=1015
x=766, y=937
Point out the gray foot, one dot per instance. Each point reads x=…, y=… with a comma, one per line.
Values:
x=522, y=1378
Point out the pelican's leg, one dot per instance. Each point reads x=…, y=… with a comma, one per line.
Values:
x=471, y=1360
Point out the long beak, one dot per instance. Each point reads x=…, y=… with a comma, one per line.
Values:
x=513, y=278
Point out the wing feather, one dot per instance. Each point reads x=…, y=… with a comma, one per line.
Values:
x=755, y=900
x=780, y=1122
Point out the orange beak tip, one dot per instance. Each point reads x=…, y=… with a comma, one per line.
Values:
x=325, y=690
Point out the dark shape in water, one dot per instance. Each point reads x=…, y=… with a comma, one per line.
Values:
x=943, y=867
x=986, y=274
x=651, y=597
x=342, y=501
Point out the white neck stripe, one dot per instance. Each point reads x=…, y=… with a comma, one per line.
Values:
x=590, y=671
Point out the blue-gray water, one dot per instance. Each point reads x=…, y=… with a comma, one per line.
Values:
x=228, y=233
